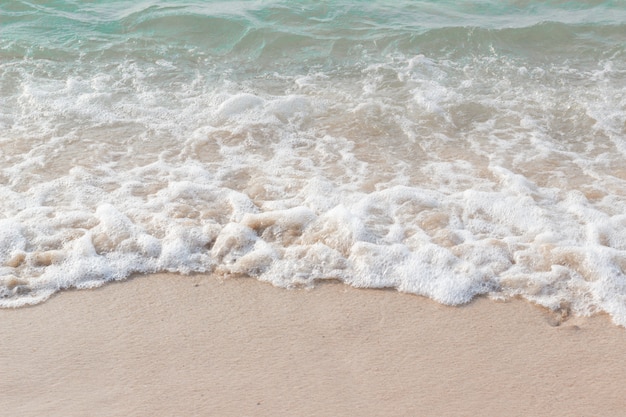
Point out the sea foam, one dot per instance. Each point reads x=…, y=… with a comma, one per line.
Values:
x=315, y=144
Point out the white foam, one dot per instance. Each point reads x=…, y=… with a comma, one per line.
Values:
x=437, y=178
x=11, y=239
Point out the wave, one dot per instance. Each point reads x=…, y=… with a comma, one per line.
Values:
x=419, y=148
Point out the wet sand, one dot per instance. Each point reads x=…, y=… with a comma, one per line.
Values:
x=166, y=345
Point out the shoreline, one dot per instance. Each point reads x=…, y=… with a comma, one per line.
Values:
x=167, y=344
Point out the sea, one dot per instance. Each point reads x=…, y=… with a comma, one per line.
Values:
x=450, y=149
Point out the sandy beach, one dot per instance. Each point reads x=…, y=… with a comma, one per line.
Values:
x=198, y=346
x=448, y=149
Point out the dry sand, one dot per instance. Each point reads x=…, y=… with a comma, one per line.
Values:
x=166, y=345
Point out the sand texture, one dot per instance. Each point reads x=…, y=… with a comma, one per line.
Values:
x=167, y=345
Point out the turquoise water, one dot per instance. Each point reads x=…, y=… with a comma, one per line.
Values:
x=447, y=149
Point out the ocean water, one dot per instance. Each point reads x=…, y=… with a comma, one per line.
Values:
x=443, y=148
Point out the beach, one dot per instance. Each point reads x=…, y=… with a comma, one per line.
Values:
x=279, y=208
x=206, y=345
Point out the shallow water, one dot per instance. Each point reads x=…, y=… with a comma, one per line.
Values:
x=447, y=149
